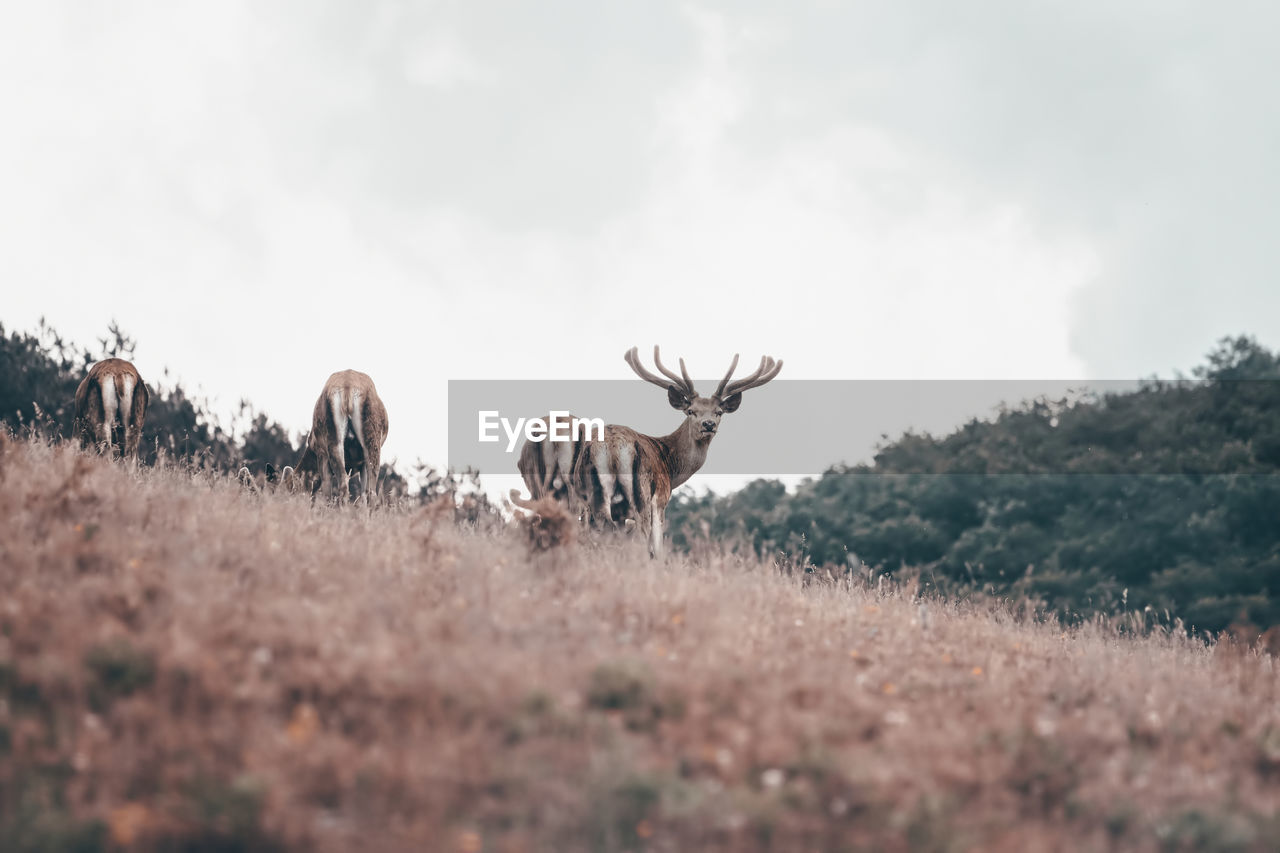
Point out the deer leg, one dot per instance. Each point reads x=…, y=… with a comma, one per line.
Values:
x=657, y=521
x=627, y=481
x=137, y=415
x=372, y=463
x=339, y=481
x=337, y=451
x=87, y=429
x=581, y=486
x=368, y=453
x=579, y=498
x=640, y=520
x=563, y=461
x=546, y=469
x=322, y=466
x=110, y=407
x=132, y=436
x=604, y=473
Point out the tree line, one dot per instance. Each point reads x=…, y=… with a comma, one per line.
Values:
x=1165, y=498
x=39, y=372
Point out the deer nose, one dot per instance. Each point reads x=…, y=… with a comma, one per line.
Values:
x=708, y=426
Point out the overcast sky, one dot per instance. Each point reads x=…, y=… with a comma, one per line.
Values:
x=263, y=193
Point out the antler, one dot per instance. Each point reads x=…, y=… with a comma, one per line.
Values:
x=682, y=383
x=766, y=371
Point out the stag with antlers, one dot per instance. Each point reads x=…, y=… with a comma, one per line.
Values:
x=630, y=475
x=111, y=401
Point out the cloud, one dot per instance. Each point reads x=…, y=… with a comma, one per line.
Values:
x=1134, y=127
x=432, y=191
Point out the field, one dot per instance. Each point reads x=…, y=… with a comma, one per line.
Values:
x=187, y=665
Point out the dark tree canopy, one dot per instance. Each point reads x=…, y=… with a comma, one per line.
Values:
x=1171, y=492
x=38, y=378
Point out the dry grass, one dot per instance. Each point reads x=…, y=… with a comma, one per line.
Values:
x=184, y=665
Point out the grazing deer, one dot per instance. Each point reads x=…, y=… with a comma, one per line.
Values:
x=631, y=475
x=112, y=395
x=348, y=427
x=547, y=466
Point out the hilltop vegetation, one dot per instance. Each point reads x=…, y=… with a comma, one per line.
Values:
x=184, y=665
x=38, y=377
x=1164, y=501
x=1166, y=498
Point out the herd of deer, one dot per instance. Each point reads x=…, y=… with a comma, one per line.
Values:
x=625, y=477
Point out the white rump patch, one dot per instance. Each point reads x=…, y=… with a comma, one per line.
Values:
x=110, y=405
x=126, y=400
x=357, y=423
x=339, y=417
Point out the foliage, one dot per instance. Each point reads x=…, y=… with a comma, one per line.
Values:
x=1169, y=493
x=39, y=374
x=1162, y=498
x=38, y=378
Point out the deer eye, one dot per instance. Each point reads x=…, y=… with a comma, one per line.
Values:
x=689, y=412
x=719, y=411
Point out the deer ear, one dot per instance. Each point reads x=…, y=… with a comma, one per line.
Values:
x=731, y=403
x=677, y=399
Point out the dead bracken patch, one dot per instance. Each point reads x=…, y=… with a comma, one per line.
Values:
x=546, y=524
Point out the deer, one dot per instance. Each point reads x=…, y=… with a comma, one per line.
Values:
x=112, y=395
x=547, y=466
x=630, y=476
x=348, y=427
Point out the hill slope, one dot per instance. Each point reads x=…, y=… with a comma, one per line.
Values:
x=186, y=665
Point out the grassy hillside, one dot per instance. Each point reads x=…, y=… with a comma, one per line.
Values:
x=187, y=666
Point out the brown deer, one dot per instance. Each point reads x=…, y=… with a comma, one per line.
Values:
x=348, y=428
x=547, y=466
x=630, y=475
x=111, y=396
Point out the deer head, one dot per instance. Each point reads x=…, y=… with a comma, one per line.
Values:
x=703, y=413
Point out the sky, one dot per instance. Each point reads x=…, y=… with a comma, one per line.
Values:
x=263, y=194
